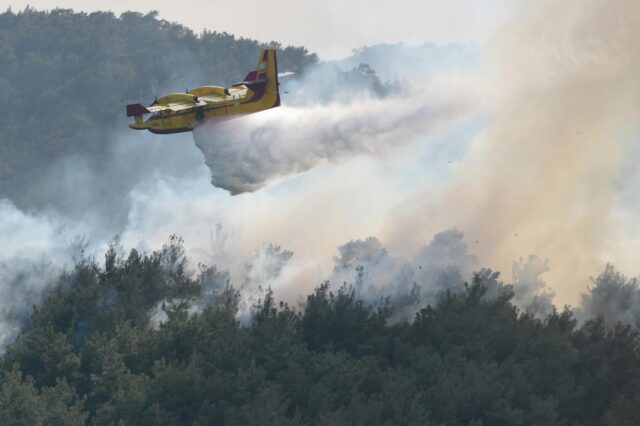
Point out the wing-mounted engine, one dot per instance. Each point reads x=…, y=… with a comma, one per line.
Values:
x=209, y=91
x=178, y=98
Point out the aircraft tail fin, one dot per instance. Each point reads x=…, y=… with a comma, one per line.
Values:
x=266, y=73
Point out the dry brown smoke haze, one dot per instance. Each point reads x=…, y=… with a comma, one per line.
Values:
x=565, y=85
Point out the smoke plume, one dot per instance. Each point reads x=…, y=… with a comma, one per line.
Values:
x=36, y=249
x=445, y=264
x=613, y=297
x=563, y=81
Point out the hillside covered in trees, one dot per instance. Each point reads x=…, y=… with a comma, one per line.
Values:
x=140, y=340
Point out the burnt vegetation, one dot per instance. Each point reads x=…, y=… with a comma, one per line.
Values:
x=137, y=340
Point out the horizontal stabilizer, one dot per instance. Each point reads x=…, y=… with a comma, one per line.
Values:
x=136, y=109
x=252, y=76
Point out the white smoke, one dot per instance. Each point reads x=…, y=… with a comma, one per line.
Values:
x=531, y=292
x=261, y=272
x=613, y=297
x=445, y=264
x=36, y=249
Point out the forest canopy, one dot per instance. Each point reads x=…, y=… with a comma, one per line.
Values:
x=139, y=339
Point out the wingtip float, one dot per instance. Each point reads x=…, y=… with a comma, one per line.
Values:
x=181, y=112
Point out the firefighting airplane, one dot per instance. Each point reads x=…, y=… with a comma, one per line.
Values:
x=181, y=112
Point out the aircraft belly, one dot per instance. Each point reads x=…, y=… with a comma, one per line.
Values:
x=177, y=122
x=170, y=131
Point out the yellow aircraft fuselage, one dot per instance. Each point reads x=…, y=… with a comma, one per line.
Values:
x=181, y=112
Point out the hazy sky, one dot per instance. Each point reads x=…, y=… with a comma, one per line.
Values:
x=332, y=28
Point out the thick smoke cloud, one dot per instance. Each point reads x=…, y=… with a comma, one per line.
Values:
x=543, y=177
